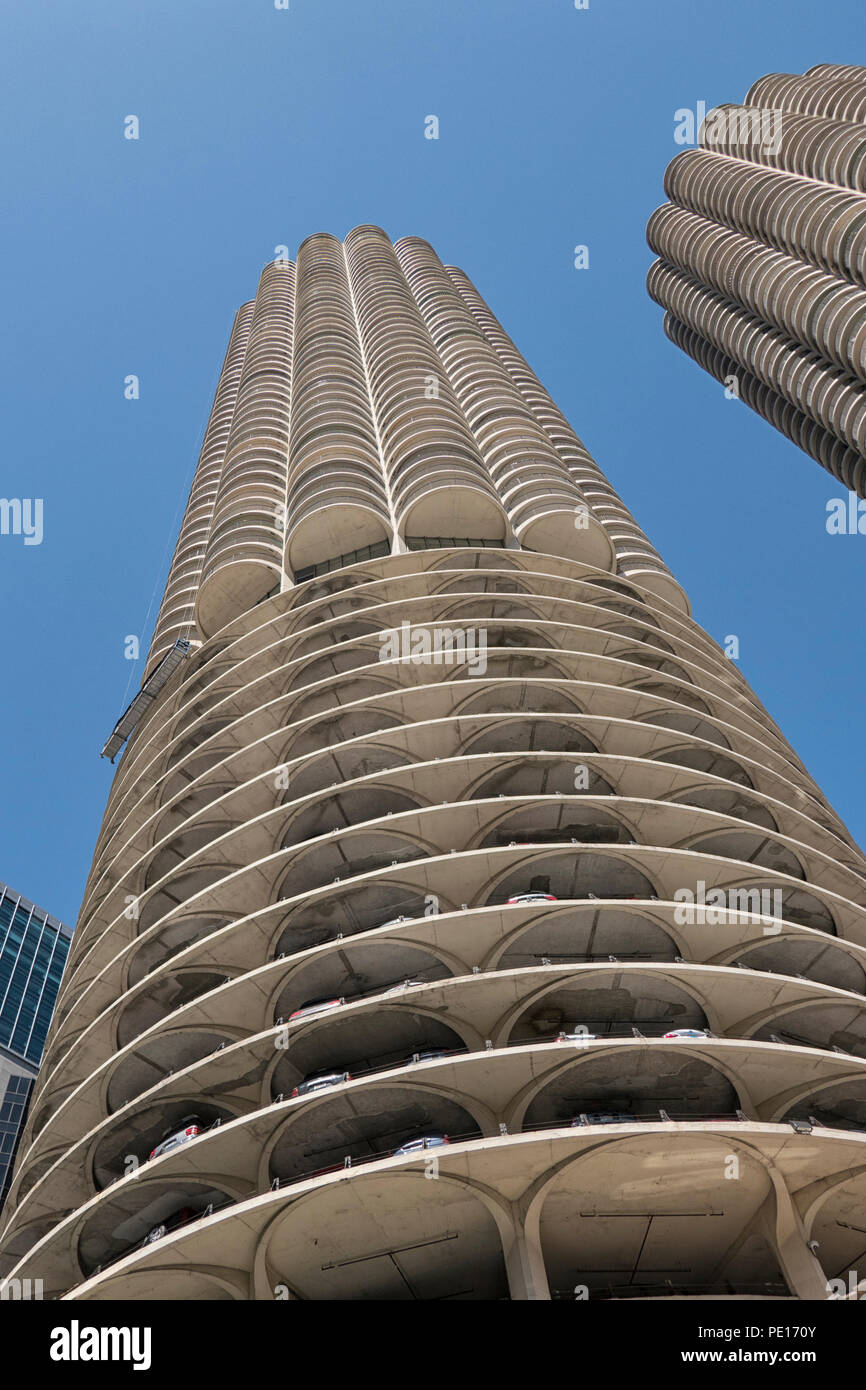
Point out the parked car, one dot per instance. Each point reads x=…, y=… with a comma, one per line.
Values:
x=395, y=921
x=171, y=1223
x=604, y=1117
x=320, y=1081
x=576, y=1037
x=427, y=1141
x=404, y=984
x=315, y=1006
x=594, y=834
x=532, y=898
x=429, y=1055
x=191, y=1130
x=687, y=1033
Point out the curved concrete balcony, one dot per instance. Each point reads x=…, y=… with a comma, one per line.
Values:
x=236, y=780
x=818, y=148
x=829, y=396
x=594, y=614
x=332, y=521
x=336, y=381
x=837, y=91
x=406, y=376
x=496, y=772
x=824, y=226
x=337, y=1234
x=636, y=555
x=543, y=502
x=568, y=951
x=443, y=501
x=403, y=861
x=336, y=500
x=243, y=561
x=842, y=462
x=616, y=887
x=346, y=480
x=810, y=307
x=201, y=768
x=176, y=617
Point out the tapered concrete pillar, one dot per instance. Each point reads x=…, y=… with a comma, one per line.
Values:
x=524, y=1262
x=799, y=1263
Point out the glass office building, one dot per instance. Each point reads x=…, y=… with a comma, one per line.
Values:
x=33, y=951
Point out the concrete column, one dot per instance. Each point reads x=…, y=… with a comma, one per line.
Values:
x=801, y=1268
x=524, y=1262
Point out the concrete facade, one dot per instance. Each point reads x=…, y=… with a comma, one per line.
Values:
x=762, y=258
x=511, y=859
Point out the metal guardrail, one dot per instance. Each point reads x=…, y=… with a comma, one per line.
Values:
x=642, y=1117
x=349, y=1163
x=575, y=1043
x=667, y=1288
x=143, y=1244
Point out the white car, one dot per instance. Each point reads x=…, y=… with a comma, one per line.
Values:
x=178, y=1137
x=532, y=898
x=576, y=1037
x=687, y=1033
x=428, y=1141
x=404, y=984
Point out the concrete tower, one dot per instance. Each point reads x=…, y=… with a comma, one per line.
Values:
x=438, y=813
x=762, y=258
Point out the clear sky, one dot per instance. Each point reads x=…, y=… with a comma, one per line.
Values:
x=259, y=126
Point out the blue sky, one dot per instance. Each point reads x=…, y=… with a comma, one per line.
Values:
x=259, y=126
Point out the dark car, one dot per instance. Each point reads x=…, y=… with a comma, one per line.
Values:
x=171, y=1223
x=429, y=1055
x=427, y=1141
x=604, y=1117
x=320, y=1081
